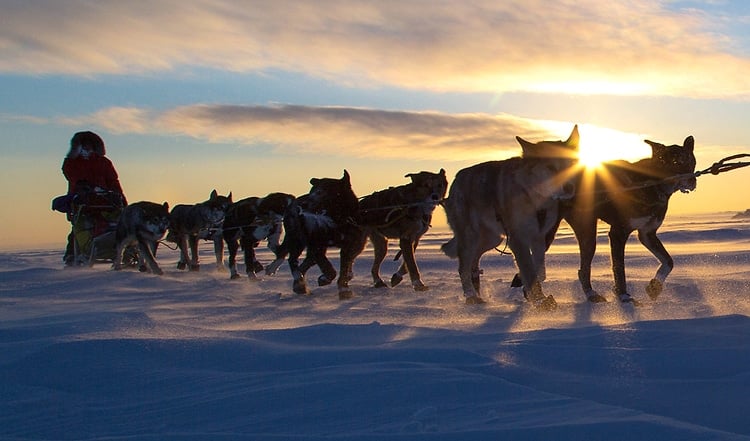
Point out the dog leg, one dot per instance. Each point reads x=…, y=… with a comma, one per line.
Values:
x=148, y=257
x=652, y=242
x=349, y=251
x=407, y=249
x=252, y=266
x=233, y=246
x=182, y=244
x=119, y=251
x=194, y=262
x=617, y=239
x=532, y=286
x=585, y=232
x=468, y=270
x=299, y=285
x=380, y=248
x=219, y=250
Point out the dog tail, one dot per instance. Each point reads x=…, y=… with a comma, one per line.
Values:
x=450, y=248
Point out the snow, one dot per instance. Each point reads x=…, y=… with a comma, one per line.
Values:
x=94, y=354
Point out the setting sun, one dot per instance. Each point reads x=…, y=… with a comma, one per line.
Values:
x=600, y=144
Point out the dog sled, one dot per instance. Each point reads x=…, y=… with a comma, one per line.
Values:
x=94, y=215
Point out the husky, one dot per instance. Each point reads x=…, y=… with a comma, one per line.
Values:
x=188, y=223
x=143, y=224
x=516, y=199
x=402, y=213
x=327, y=216
x=629, y=197
x=247, y=222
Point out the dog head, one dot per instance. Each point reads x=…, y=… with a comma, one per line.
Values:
x=557, y=160
x=334, y=196
x=154, y=218
x=158, y=219
x=276, y=203
x=567, y=149
x=430, y=187
x=216, y=206
x=676, y=160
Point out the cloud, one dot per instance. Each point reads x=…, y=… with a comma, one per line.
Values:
x=588, y=46
x=338, y=131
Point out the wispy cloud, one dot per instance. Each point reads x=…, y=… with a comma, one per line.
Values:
x=587, y=46
x=339, y=131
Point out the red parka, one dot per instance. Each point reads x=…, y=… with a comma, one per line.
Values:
x=95, y=168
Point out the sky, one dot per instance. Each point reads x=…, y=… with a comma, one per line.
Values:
x=254, y=97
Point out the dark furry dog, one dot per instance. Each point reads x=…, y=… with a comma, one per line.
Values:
x=516, y=199
x=143, y=224
x=402, y=213
x=327, y=216
x=190, y=222
x=247, y=222
x=629, y=197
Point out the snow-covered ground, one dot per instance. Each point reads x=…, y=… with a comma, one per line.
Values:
x=93, y=354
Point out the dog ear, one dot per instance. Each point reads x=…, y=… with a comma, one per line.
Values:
x=689, y=144
x=229, y=197
x=524, y=144
x=655, y=147
x=346, y=178
x=213, y=194
x=165, y=205
x=574, y=139
x=442, y=172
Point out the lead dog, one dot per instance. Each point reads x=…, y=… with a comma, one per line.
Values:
x=517, y=199
x=402, y=213
x=247, y=222
x=629, y=197
x=142, y=223
x=189, y=222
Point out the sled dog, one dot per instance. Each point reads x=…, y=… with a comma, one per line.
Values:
x=402, y=213
x=629, y=197
x=142, y=224
x=188, y=223
x=327, y=216
x=516, y=199
x=247, y=222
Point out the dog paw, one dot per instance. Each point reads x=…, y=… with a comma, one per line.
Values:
x=396, y=279
x=181, y=265
x=380, y=284
x=420, y=287
x=323, y=280
x=654, y=288
x=626, y=298
x=234, y=276
x=547, y=303
x=346, y=294
x=475, y=300
x=299, y=286
x=595, y=297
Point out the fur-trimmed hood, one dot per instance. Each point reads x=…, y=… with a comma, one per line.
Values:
x=87, y=139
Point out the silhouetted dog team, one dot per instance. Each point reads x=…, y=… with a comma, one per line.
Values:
x=520, y=200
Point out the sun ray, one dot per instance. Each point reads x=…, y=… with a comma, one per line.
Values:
x=601, y=144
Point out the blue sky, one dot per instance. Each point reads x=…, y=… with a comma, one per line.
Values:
x=254, y=97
